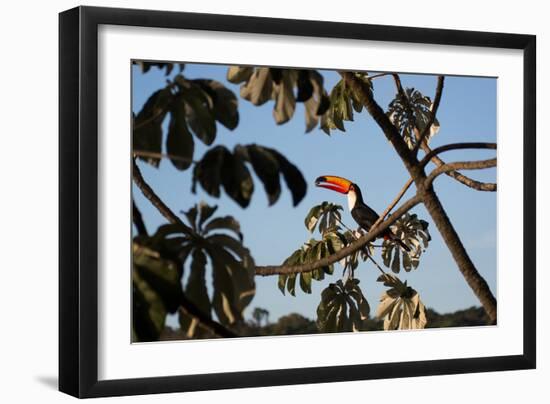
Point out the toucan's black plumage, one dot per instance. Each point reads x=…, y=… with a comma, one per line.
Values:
x=363, y=214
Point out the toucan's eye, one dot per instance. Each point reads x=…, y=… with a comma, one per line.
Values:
x=351, y=188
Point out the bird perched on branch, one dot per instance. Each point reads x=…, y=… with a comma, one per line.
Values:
x=363, y=214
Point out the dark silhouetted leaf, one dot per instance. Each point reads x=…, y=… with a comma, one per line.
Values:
x=266, y=167
x=208, y=171
x=179, y=144
x=161, y=274
x=147, y=129
x=293, y=177
x=225, y=103
x=196, y=284
x=224, y=223
x=148, y=311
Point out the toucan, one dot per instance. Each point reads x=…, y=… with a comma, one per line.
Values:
x=363, y=214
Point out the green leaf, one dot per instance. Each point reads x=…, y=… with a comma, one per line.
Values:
x=291, y=284
x=179, y=143
x=410, y=112
x=281, y=283
x=305, y=281
x=312, y=218
x=414, y=233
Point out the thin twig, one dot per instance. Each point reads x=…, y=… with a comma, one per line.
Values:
x=143, y=153
x=435, y=106
x=375, y=76
x=137, y=218
x=155, y=200
x=459, y=165
x=455, y=146
x=376, y=263
x=393, y=203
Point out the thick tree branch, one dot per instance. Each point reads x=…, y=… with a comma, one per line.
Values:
x=344, y=252
x=465, y=265
x=155, y=200
x=435, y=107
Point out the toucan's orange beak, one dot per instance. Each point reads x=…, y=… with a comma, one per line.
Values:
x=334, y=183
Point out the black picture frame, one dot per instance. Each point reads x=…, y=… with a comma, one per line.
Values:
x=78, y=201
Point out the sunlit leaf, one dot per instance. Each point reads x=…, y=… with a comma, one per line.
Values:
x=400, y=306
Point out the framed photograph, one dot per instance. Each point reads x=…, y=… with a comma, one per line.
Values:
x=252, y=201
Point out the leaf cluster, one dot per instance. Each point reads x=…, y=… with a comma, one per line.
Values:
x=400, y=306
x=159, y=263
x=413, y=111
x=221, y=168
x=193, y=107
x=285, y=87
x=414, y=233
x=343, y=307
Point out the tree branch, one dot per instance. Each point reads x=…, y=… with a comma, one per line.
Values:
x=138, y=220
x=344, y=252
x=429, y=198
x=393, y=203
x=143, y=153
x=435, y=107
x=456, y=146
x=155, y=200
x=464, y=263
x=459, y=165
x=480, y=186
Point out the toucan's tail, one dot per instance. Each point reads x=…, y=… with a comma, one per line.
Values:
x=390, y=236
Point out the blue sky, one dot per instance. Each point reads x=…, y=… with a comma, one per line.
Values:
x=362, y=154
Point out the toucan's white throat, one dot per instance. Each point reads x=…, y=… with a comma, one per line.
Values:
x=352, y=198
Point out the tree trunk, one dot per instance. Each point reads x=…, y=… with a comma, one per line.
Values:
x=465, y=265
